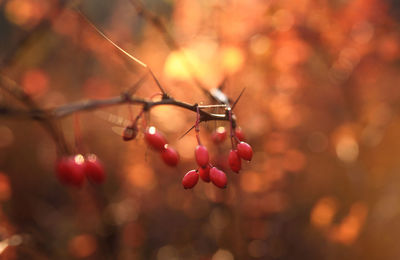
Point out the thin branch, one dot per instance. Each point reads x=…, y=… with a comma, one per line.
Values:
x=170, y=41
x=47, y=116
x=141, y=63
x=93, y=104
x=123, y=52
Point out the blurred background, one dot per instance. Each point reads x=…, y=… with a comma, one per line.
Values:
x=320, y=110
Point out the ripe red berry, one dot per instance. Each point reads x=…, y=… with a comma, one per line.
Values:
x=239, y=134
x=130, y=132
x=155, y=139
x=205, y=173
x=245, y=151
x=201, y=154
x=218, y=177
x=190, y=179
x=69, y=170
x=219, y=135
x=234, y=161
x=94, y=169
x=170, y=156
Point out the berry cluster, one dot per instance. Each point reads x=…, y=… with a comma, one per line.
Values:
x=72, y=170
x=243, y=151
x=206, y=171
x=209, y=173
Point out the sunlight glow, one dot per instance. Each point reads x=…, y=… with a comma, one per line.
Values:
x=347, y=149
x=232, y=59
x=222, y=254
x=323, y=212
x=79, y=159
x=350, y=227
x=152, y=130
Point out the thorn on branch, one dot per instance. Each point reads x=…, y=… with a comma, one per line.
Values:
x=187, y=131
x=237, y=99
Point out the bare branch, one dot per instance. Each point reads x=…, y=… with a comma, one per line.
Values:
x=93, y=104
x=169, y=40
x=123, y=52
x=86, y=105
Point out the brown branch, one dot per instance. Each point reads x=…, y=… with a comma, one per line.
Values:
x=124, y=53
x=47, y=117
x=93, y=104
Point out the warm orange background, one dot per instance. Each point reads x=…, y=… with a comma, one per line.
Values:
x=320, y=111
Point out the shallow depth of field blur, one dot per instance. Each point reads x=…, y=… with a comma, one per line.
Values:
x=320, y=109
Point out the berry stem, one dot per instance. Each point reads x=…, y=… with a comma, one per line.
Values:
x=138, y=116
x=130, y=112
x=156, y=94
x=197, y=128
x=145, y=119
x=77, y=134
x=231, y=128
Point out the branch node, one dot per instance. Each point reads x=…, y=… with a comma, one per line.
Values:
x=146, y=107
x=126, y=96
x=165, y=96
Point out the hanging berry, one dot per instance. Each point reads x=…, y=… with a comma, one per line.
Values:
x=218, y=177
x=234, y=161
x=219, y=135
x=239, y=134
x=155, y=139
x=70, y=171
x=201, y=154
x=205, y=173
x=245, y=151
x=170, y=156
x=93, y=169
x=190, y=179
x=130, y=132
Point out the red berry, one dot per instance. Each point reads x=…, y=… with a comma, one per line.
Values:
x=205, y=173
x=201, y=154
x=170, y=156
x=245, y=151
x=130, y=132
x=239, y=134
x=190, y=179
x=218, y=177
x=94, y=169
x=155, y=139
x=234, y=161
x=219, y=135
x=70, y=170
